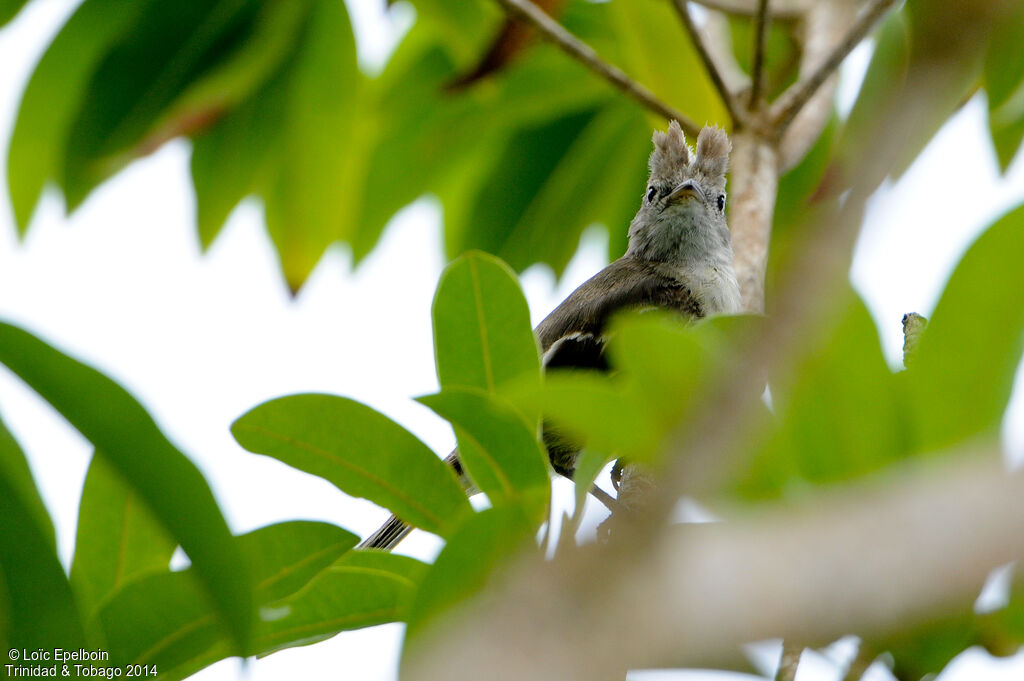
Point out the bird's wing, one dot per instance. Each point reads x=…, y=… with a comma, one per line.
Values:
x=577, y=323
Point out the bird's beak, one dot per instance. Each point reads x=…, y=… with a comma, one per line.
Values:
x=686, y=190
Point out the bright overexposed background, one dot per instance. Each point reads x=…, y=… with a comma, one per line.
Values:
x=201, y=338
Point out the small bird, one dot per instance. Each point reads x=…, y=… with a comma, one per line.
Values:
x=679, y=258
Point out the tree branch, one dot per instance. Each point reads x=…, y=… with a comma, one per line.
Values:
x=727, y=97
x=755, y=182
x=792, y=100
x=719, y=44
x=822, y=28
x=696, y=584
x=781, y=9
x=527, y=11
x=761, y=19
x=789, y=661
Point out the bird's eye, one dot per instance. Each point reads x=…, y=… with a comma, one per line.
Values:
x=651, y=193
x=721, y=202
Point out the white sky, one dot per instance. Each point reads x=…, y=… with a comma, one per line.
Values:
x=201, y=339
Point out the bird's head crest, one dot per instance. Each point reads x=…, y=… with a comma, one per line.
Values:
x=672, y=160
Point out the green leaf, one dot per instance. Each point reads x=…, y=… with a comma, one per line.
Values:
x=468, y=563
x=363, y=589
x=226, y=166
x=1004, y=86
x=838, y=411
x=54, y=95
x=9, y=9
x=465, y=28
x=37, y=608
x=482, y=333
x=670, y=361
x=286, y=556
x=927, y=647
x=511, y=182
x=601, y=412
x=798, y=190
x=182, y=65
x=362, y=452
x=14, y=469
x=166, y=620
x=163, y=619
x=1004, y=63
x=1007, y=140
x=927, y=62
x=117, y=539
x=157, y=472
x=320, y=146
x=498, y=447
x=1002, y=632
x=588, y=466
x=882, y=87
x=965, y=362
x=283, y=145
x=599, y=178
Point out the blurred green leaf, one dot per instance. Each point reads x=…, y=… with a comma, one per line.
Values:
x=430, y=138
x=226, y=166
x=598, y=177
x=883, y=85
x=964, y=366
x=482, y=333
x=165, y=619
x=646, y=39
x=182, y=65
x=589, y=465
x=928, y=646
x=1001, y=632
x=469, y=561
x=1007, y=140
x=781, y=53
x=927, y=63
x=9, y=9
x=15, y=470
x=363, y=589
x=798, y=189
x=939, y=45
x=37, y=608
x=838, y=411
x=117, y=539
x=498, y=447
x=1004, y=86
x=602, y=412
x=512, y=182
x=321, y=145
x=362, y=452
x=660, y=367
x=670, y=360
x=54, y=95
x=465, y=28
x=156, y=471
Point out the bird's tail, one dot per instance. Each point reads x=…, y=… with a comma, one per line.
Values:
x=388, y=536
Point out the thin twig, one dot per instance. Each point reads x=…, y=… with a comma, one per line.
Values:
x=761, y=20
x=792, y=100
x=789, y=661
x=727, y=97
x=782, y=9
x=579, y=50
